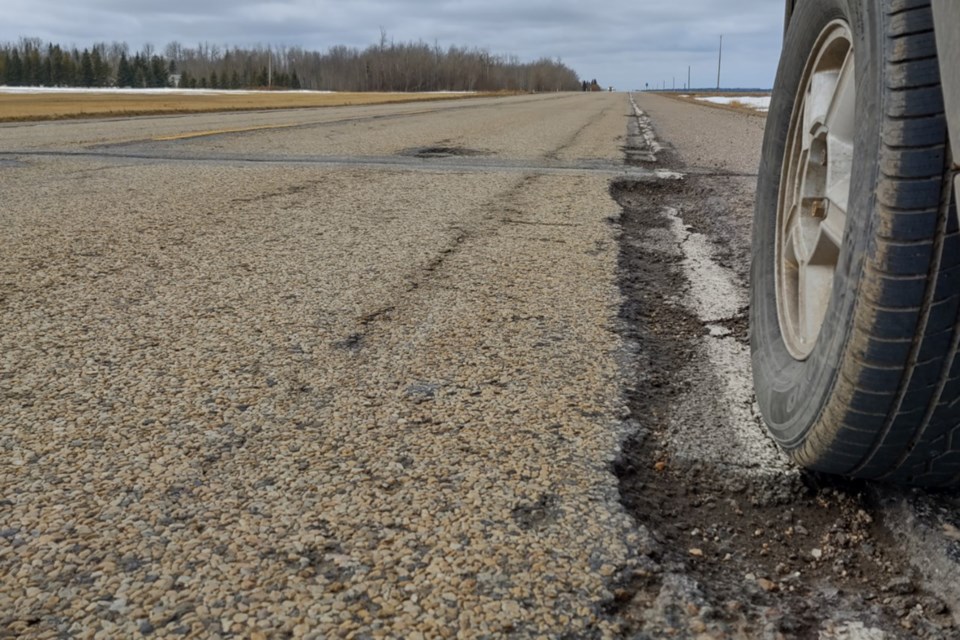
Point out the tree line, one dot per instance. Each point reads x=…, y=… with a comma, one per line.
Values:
x=385, y=66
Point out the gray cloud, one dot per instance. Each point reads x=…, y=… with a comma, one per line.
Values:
x=626, y=43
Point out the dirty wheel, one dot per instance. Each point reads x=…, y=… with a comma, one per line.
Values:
x=856, y=255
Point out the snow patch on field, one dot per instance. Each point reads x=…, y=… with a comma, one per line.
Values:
x=760, y=103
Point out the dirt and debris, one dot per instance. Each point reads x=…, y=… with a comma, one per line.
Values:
x=731, y=551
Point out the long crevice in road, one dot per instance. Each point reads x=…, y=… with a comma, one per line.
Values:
x=425, y=274
x=735, y=546
x=400, y=162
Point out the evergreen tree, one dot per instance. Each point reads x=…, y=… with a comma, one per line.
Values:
x=15, y=69
x=86, y=69
x=158, y=76
x=55, y=54
x=214, y=80
x=294, y=81
x=32, y=67
x=125, y=76
x=101, y=70
x=46, y=72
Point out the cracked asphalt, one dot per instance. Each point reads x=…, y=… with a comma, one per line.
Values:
x=244, y=392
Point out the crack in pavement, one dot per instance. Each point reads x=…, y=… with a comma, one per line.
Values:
x=400, y=163
x=431, y=271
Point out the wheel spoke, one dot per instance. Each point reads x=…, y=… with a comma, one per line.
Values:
x=840, y=116
x=823, y=85
x=833, y=226
x=799, y=240
x=841, y=126
x=815, y=189
x=816, y=283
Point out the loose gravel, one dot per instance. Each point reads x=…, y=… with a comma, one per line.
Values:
x=265, y=401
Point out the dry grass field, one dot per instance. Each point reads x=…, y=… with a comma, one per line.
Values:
x=63, y=105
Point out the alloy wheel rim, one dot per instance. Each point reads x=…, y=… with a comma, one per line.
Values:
x=815, y=189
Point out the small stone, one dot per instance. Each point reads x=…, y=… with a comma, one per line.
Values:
x=696, y=553
x=900, y=586
x=511, y=609
x=767, y=585
x=816, y=554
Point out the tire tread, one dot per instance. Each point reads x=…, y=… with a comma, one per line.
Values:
x=900, y=372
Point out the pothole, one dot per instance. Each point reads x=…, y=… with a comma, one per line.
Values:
x=442, y=152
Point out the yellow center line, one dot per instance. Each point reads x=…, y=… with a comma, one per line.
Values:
x=217, y=132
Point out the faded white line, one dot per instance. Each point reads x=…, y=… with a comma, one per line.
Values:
x=718, y=421
x=645, y=125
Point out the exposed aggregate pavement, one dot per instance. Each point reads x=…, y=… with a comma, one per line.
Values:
x=255, y=400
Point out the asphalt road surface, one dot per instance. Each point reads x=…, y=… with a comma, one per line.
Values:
x=462, y=369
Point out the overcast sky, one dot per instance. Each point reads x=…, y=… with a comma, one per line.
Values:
x=625, y=43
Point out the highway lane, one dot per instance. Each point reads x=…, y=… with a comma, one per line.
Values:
x=246, y=398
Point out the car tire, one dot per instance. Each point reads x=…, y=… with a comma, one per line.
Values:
x=854, y=317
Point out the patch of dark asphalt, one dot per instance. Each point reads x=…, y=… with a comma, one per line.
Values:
x=731, y=554
x=441, y=151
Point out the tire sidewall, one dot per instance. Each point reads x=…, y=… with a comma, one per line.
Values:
x=793, y=394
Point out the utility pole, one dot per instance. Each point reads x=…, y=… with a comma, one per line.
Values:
x=689, y=86
x=719, y=62
x=269, y=67
x=674, y=83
